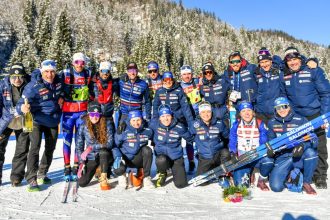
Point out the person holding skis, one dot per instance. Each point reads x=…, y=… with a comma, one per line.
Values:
x=43, y=95
x=172, y=94
x=94, y=144
x=11, y=89
x=209, y=134
x=247, y=133
x=269, y=85
x=303, y=156
x=78, y=90
x=132, y=151
x=308, y=91
x=168, y=133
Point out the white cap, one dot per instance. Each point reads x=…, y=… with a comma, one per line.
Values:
x=105, y=65
x=79, y=56
x=48, y=65
x=205, y=106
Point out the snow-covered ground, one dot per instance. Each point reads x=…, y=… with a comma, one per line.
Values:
x=161, y=203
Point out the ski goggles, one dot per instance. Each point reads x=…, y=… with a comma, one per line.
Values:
x=94, y=114
x=79, y=62
x=280, y=107
x=152, y=71
x=105, y=71
x=234, y=61
x=264, y=52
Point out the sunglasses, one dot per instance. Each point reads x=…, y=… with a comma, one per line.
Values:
x=263, y=52
x=208, y=72
x=234, y=61
x=105, y=72
x=17, y=77
x=79, y=62
x=94, y=114
x=152, y=71
x=282, y=107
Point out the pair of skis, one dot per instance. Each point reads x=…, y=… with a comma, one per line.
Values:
x=287, y=140
x=73, y=185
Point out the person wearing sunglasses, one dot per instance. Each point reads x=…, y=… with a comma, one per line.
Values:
x=168, y=134
x=247, y=133
x=309, y=92
x=303, y=156
x=241, y=78
x=42, y=94
x=214, y=89
x=210, y=133
x=269, y=85
x=132, y=151
x=78, y=90
x=94, y=144
x=154, y=79
x=191, y=88
x=11, y=89
x=134, y=95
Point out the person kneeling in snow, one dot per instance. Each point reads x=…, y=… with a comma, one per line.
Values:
x=132, y=150
x=168, y=133
x=248, y=133
x=304, y=156
x=97, y=133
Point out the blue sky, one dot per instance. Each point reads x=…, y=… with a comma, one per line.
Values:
x=306, y=20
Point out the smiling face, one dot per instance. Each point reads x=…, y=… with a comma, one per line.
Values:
x=166, y=119
x=235, y=63
x=186, y=77
x=247, y=115
x=79, y=65
x=168, y=82
x=48, y=75
x=283, y=110
x=206, y=116
x=136, y=122
x=294, y=64
x=265, y=65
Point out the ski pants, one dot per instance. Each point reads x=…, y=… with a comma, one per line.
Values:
x=205, y=164
x=70, y=121
x=20, y=156
x=322, y=167
x=143, y=159
x=163, y=163
x=33, y=167
x=285, y=163
x=242, y=175
x=102, y=159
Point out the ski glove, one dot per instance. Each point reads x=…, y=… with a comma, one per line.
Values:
x=81, y=170
x=83, y=156
x=270, y=151
x=121, y=127
x=117, y=162
x=298, y=150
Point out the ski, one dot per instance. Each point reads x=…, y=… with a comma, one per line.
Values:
x=275, y=143
x=66, y=191
x=75, y=190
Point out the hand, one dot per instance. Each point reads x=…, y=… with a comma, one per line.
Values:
x=81, y=170
x=312, y=64
x=83, y=156
x=117, y=162
x=270, y=151
x=298, y=150
x=121, y=127
x=324, y=126
x=233, y=157
x=60, y=102
x=25, y=108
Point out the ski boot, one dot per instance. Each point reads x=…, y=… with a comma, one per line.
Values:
x=15, y=183
x=67, y=173
x=320, y=182
x=104, y=182
x=33, y=186
x=161, y=179
x=74, y=171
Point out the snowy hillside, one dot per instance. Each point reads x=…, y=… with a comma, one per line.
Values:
x=161, y=203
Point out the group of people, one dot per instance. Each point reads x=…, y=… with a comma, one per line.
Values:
x=270, y=99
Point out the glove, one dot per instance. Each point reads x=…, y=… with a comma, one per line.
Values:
x=233, y=157
x=298, y=150
x=270, y=151
x=117, y=162
x=121, y=127
x=81, y=170
x=83, y=156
